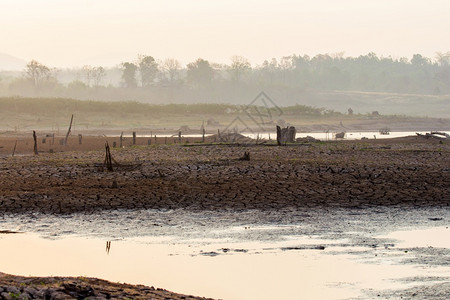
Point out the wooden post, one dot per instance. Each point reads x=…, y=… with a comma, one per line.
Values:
x=218, y=134
x=68, y=131
x=108, y=158
x=14, y=150
x=203, y=135
x=80, y=137
x=278, y=135
x=53, y=139
x=35, y=143
x=165, y=140
x=155, y=139
x=149, y=142
x=121, y=138
x=134, y=137
x=179, y=137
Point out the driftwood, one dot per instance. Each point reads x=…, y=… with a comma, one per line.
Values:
x=285, y=135
x=340, y=135
x=446, y=135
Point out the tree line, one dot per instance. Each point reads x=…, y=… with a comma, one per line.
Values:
x=150, y=80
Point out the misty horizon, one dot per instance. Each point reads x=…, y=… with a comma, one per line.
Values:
x=74, y=33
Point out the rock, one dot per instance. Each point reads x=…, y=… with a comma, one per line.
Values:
x=12, y=289
x=78, y=290
x=6, y=296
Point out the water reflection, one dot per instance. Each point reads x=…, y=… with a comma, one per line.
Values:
x=249, y=255
x=108, y=247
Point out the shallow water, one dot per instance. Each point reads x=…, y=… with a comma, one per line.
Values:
x=349, y=135
x=288, y=254
x=323, y=136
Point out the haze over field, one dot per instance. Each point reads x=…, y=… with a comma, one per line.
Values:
x=386, y=56
x=73, y=33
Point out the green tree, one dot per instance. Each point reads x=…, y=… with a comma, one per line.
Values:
x=129, y=74
x=148, y=69
x=200, y=73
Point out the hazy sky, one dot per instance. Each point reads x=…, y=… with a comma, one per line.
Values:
x=106, y=32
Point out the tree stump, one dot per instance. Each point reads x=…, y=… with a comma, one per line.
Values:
x=285, y=135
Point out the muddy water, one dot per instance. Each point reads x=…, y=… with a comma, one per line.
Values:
x=289, y=254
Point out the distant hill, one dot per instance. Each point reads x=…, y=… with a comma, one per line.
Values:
x=11, y=63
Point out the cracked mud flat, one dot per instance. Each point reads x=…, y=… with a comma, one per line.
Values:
x=411, y=172
x=282, y=212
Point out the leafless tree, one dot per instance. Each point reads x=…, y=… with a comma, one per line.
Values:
x=239, y=65
x=170, y=68
x=37, y=72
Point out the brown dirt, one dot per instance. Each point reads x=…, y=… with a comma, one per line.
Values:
x=411, y=171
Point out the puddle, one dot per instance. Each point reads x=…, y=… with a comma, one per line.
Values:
x=319, y=254
x=438, y=237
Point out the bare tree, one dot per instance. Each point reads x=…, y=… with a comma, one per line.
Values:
x=443, y=59
x=87, y=74
x=239, y=65
x=37, y=73
x=286, y=65
x=97, y=75
x=170, y=68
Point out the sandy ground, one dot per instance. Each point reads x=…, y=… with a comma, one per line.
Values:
x=62, y=179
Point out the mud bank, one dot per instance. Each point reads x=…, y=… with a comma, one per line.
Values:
x=18, y=287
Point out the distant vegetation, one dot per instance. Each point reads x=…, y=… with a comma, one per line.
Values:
x=363, y=83
x=52, y=106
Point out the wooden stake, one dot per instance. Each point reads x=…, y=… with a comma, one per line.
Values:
x=14, y=150
x=108, y=158
x=35, y=143
x=68, y=131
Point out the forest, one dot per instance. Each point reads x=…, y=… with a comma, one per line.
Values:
x=321, y=80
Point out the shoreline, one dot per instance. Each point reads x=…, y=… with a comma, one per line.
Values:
x=79, y=288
